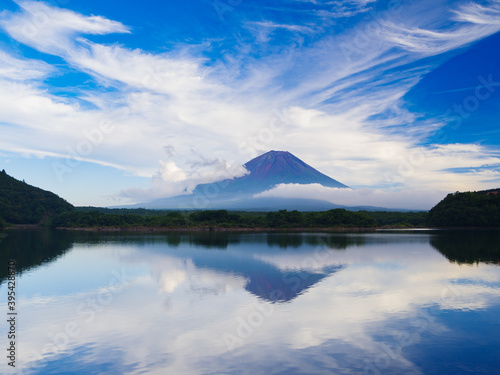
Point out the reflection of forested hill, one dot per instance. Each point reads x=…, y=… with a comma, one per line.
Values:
x=294, y=240
x=31, y=248
x=469, y=246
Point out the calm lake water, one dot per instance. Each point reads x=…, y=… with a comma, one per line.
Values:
x=423, y=302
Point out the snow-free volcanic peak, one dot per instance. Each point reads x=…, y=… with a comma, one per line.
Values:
x=264, y=173
x=271, y=169
x=283, y=167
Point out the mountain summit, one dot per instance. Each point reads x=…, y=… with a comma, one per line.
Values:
x=264, y=173
x=281, y=167
x=271, y=169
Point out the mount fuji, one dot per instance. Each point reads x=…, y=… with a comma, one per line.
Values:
x=271, y=169
x=264, y=173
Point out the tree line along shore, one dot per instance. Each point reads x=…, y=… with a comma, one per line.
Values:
x=222, y=219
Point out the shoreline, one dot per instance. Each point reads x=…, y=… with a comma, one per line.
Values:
x=215, y=229
x=193, y=229
x=240, y=229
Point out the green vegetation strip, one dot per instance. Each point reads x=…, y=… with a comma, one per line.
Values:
x=114, y=218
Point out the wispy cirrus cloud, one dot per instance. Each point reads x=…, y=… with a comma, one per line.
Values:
x=272, y=25
x=53, y=30
x=20, y=69
x=478, y=14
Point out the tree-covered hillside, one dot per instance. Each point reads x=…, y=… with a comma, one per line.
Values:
x=470, y=209
x=21, y=203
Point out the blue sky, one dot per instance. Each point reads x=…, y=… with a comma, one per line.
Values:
x=109, y=102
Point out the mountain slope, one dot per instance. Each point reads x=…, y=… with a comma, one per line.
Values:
x=265, y=172
x=269, y=170
x=21, y=203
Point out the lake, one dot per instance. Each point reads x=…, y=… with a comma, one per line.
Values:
x=406, y=302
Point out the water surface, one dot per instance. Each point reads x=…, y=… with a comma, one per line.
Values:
x=255, y=303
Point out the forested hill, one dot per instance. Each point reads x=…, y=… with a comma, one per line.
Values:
x=21, y=203
x=470, y=209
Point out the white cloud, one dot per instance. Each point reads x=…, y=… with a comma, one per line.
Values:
x=416, y=35
x=53, y=30
x=169, y=171
x=13, y=68
x=172, y=180
x=400, y=199
x=176, y=76
x=273, y=25
x=479, y=14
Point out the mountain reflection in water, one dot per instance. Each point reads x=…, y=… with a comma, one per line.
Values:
x=296, y=303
